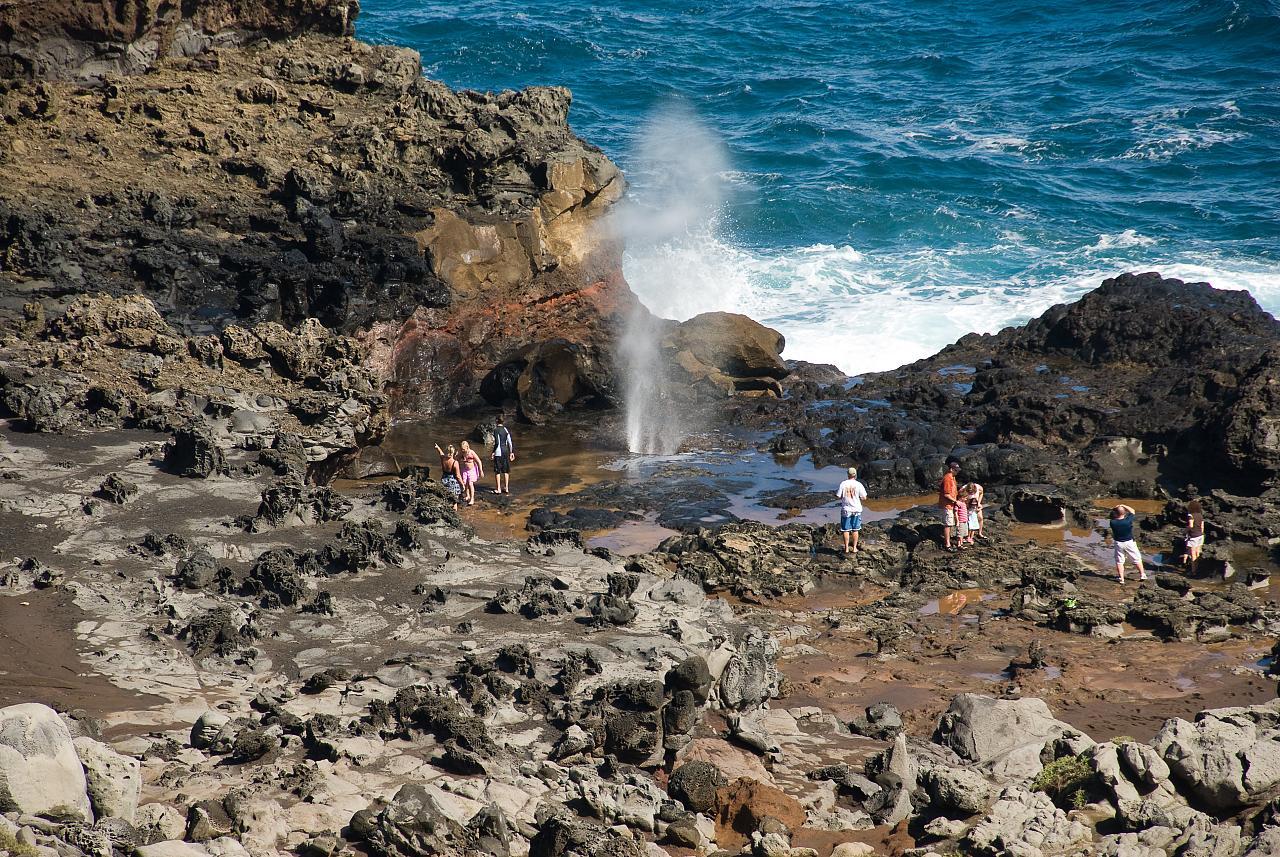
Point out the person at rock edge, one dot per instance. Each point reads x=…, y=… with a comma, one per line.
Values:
x=1122, y=532
x=450, y=473
x=504, y=452
x=472, y=472
x=973, y=494
x=1195, y=535
x=851, y=493
x=947, y=503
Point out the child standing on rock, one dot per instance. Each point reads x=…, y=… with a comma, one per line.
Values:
x=972, y=495
x=963, y=535
x=1195, y=535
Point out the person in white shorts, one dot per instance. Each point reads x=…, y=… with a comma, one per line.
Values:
x=1195, y=535
x=1126, y=548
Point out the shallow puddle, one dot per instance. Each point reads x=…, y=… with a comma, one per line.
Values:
x=953, y=603
x=41, y=661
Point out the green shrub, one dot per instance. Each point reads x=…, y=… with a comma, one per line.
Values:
x=15, y=848
x=1065, y=781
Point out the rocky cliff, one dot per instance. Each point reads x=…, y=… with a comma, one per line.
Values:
x=249, y=163
x=1144, y=382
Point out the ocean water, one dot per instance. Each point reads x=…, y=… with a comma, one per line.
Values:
x=877, y=178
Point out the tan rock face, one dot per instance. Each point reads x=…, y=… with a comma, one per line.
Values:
x=72, y=39
x=39, y=768
x=721, y=354
x=322, y=179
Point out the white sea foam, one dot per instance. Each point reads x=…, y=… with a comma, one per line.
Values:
x=867, y=312
x=1120, y=240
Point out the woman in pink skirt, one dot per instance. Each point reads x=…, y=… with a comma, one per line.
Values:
x=472, y=472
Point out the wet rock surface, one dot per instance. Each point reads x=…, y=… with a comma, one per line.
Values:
x=1101, y=392
x=192, y=342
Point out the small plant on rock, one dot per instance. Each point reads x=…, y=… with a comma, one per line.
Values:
x=1065, y=781
x=12, y=846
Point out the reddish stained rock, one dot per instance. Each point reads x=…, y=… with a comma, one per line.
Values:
x=743, y=804
x=546, y=353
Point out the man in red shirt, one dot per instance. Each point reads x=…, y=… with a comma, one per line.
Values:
x=947, y=502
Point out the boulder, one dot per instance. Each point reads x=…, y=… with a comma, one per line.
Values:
x=1020, y=820
x=882, y=722
x=207, y=728
x=733, y=344
x=1144, y=764
x=1228, y=758
x=114, y=781
x=694, y=784
x=958, y=791
x=194, y=453
x=39, y=768
x=749, y=676
x=1005, y=736
x=562, y=834
x=156, y=822
x=412, y=823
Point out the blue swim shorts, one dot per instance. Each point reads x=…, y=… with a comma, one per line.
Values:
x=850, y=522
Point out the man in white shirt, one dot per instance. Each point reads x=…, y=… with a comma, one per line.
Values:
x=851, y=493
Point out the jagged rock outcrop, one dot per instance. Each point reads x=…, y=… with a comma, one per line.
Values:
x=310, y=177
x=94, y=39
x=718, y=354
x=1101, y=392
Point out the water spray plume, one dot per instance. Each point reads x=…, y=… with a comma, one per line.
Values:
x=681, y=163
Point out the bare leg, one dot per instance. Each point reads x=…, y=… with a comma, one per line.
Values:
x=1120, y=570
x=854, y=535
x=1142, y=572
x=845, y=533
x=946, y=536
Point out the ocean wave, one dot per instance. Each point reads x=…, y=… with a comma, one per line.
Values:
x=1120, y=240
x=866, y=312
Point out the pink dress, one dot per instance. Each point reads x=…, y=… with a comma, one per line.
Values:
x=471, y=470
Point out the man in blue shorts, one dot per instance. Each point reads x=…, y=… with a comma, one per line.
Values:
x=851, y=493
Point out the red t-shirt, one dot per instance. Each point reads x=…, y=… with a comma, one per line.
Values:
x=946, y=497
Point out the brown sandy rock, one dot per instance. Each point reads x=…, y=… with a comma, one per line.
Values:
x=743, y=805
x=721, y=353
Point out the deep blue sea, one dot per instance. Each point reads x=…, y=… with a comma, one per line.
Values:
x=876, y=178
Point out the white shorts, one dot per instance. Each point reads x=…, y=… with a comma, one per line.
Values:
x=1127, y=549
x=1195, y=542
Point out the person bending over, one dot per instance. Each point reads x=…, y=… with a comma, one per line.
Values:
x=1195, y=535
